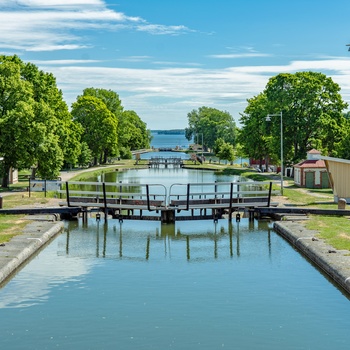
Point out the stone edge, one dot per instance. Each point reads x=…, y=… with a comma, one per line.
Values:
x=29, y=250
x=335, y=263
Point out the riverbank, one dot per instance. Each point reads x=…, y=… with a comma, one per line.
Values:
x=333, y=262
x=35, y=235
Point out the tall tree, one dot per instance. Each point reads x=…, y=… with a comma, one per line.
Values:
x=312, y=112
x=99, y=127
x=254, y=136
x=31, y=113
x=132, y=131
x=212, y=124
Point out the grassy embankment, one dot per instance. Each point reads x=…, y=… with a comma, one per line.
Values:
x=333, y=229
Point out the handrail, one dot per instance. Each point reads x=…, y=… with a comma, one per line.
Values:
x=220, y=190
x=150, y=191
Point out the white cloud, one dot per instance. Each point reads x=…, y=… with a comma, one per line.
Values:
x=48, y=25
x=241, y=55
x=163, y=97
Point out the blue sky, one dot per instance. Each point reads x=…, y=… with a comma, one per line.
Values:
x=165, y=58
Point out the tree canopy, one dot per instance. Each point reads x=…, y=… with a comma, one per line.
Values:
x=127, y=133
x=33, y=118
x=311, y=107
x=212, y=124
x=37, y=130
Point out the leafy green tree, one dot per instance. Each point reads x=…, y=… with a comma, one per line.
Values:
x=311, y=107
x=135, y=133
x=255, y=137
x=213, y=124
x=132, y=131
x=312, y=113
x=99, y=127
x=226, y=152
x=33, y=117
x=85, y=156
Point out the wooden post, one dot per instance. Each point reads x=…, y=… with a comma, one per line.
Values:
x=67, y=194
x=188, y=197
x=269, y=199
x=105, y=201
x=230, y=209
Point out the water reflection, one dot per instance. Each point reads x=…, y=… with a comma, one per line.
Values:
x=195, y=242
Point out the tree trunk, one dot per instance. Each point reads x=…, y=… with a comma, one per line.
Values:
x=5, y=179
x=33, y=173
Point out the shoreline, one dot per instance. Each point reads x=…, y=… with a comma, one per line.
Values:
x=21, y=248
x=333, y=262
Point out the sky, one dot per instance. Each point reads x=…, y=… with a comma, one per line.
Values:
x=165, y=58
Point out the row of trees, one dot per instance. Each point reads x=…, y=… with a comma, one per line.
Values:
x=312, y=113
x=38, y=131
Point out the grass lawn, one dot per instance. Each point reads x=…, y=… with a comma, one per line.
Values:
x=10, y=226
x=333, y=229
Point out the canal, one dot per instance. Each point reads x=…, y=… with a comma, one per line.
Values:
x=191, y=285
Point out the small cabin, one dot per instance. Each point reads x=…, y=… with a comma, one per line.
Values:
x=312, y=172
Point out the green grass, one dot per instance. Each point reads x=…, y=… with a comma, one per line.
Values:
x=10, y=226
x=333, y=229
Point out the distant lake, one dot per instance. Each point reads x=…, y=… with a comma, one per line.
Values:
x=169, y=140
x=173, y=141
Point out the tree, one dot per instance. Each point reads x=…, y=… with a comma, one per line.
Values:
x=311, y=107
x=255, y=137
x=135, y=133
x=132, y=131
x=99, y=127
x=32, y=112
x=213, y=124
x=312, y=113
x=85, y=155
x=226, y=152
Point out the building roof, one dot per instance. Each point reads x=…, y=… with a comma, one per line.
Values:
x=314, y=151
x=311, y=163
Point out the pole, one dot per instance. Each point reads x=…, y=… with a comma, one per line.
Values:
x=268, y=119
x=202, y=147
x=281, y=154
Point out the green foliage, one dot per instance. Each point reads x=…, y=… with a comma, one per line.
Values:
x=132, y=132
x=226, y=152
x=212, y=124
x=99, y=126
x=33, y=119
x=312, y=108
x=312, y=113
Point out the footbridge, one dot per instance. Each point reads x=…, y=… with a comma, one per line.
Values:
x=165, y=161
x=190, y=201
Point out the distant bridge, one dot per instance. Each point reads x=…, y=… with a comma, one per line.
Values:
x=162, y=161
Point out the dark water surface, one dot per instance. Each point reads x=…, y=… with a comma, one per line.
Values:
x=192, y=285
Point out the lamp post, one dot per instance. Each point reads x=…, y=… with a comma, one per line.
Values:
x=269, y=119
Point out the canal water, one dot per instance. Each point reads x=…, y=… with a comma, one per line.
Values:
x=141, y=285
x=192, y=285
